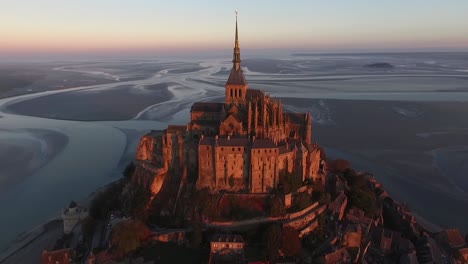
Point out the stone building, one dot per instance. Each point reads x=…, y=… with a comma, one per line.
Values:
x=245, y=143
x=72, y=215
x=227, y=248
x=62, y=256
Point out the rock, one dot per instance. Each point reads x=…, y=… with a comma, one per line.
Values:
x=380, y=65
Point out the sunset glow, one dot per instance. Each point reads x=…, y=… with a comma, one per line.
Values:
x=115, y=26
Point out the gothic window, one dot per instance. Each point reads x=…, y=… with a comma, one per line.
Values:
x=231, y=93
x=240, y=93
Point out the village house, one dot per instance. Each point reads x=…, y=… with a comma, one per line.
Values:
x=62, y=256
x=226, y=248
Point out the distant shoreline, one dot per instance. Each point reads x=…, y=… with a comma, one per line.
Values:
x=376, y=53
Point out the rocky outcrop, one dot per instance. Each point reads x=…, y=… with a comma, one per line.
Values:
x=380, y=65
x=149, y=176
x=145, y=151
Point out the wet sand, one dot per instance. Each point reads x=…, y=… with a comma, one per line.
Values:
x=22, y=152
x=119, y=103
x=418, y=150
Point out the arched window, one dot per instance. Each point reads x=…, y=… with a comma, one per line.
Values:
x=240, y=93
x=231, y=93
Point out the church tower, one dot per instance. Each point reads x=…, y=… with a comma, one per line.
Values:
x=236, y=85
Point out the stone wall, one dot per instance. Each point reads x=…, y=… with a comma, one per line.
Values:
x=302, y=222
x=264, y=168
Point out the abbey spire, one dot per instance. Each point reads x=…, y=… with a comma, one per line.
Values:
x=236, y=85
x=236, y=58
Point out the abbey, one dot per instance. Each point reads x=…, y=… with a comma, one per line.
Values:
x=244, y=144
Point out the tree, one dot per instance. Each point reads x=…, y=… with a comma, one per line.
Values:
x=363, y=200
x=272, y=237
x=207, y=203
x=129, y=170
x=88, y=226
x=302, y=200
x=291, y=244
x=107, y=201
x=135, y=201
x=197, y=235
x=127, y=236
x=338, y=165
x=277, y=207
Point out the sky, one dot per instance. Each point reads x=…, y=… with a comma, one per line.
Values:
x=152, y=26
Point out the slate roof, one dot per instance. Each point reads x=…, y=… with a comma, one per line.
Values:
x=236, y=77
x=207, y=107
x=339, y=256
x=225, y=142
x=297, y=118
x=175, y=128
x=58, y=256
x=227, y=238
x=263, y=143
x=202, y=122
x=252, y=93
x=454, y=237
x=207, y=141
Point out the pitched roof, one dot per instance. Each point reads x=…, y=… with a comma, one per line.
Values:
x=252, y=93
x=236, y=77
x=233, y=142
x=339, y=256
x=225, y=142
x=263, y=143
x=175, y=128
x=61, y=256
x=454, y=237
x=235, y=116
x=213, y=123
x=207, y=141
x=207, y=107
x=297, y=118
x=227, y=238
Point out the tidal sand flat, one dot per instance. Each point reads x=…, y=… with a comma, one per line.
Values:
x=122, y=102
x=24, y=151
x=31, y=77
x=418, y=150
